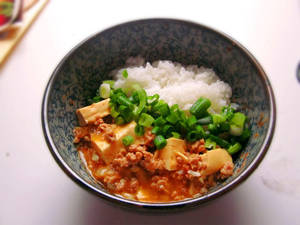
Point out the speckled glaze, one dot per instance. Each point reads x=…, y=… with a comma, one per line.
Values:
x=81, y=71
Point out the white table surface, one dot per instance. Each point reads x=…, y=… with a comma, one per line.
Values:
x=34, y=190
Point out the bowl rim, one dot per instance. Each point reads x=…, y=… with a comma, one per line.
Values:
x=171, y=205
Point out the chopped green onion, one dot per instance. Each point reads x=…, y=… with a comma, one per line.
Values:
x=172, y=117
x=212, y=128
x=228, y=112
x=171, y=121
x=234, y=148
x=191, y=121
x=130, y=98
x=135, y=96
x=146, y=120
x=221, y=142
x=125, y=74
x=192, y=136
x=175, y=135
x=119, y=120
x=174, y=107
x=142, y=101
x=96, y=99
x=122, y=100
x=167, y=129
x=183, y=126
x=113, y=112
x=235, y=130
x=159, y=121
x=205, y=120
x=182, y=115
x=199, y=129
x=162, y=108
x=217, y=118
x=200, y=106
x=155, y=130
x=136, y=87
x=152, y=99
x=115, y=95
x=110, y=82
x=160, y=141
x=126, y=113
x=127, y=140
x=119, y=91
x=238, y=119
x=209, y=144
x=104, y=91
x=245, y=135
x=224, y=127
x=139, y=130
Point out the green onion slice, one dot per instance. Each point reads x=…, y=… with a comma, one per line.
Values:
x=199, y=108
x=234, y=148
x=104, y=91
x=125, y=74
x=127, y=140
x=160, y=141
x=145, y=120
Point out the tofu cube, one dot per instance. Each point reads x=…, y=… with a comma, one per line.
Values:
x=108, y=150
x=89, y=114
x=170, y=151
x=215, y=160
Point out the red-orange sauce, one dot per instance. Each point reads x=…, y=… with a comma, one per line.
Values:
x=141, y=181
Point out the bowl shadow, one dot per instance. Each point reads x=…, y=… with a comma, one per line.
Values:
x=220, y=211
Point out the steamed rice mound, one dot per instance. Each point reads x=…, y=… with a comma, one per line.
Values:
x=177, y=84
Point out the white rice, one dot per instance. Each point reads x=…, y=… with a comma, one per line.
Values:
x=176, y=84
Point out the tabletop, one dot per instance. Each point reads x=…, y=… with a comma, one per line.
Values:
x=34, y=190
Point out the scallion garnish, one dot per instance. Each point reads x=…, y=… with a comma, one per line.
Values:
x=226, y=129
x=160, y=141
x=104, y=91
x=199, y=108
x=127, y=140
x=125, y=74
x=234, y=148
x=145, y=120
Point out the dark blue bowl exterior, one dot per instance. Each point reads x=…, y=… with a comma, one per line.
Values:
x=79, y=74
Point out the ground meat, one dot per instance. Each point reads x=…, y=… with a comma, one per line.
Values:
x=133, y=185
x=227, y=170
x=110, y=137
x=142, y=149
x=111, y=178
x=195, y=162
x=119, y=186
x=152, y=165
x=79, y=133
x=98, y=122
x=189, y=168
x=136, y=154
x=134, y=158
x=149, y=138
x=147, y=161
x=197, y=147
x=127, y=185
x=136, y=165
x=108, y=131
x=120, y=161
x=160, y=183
x=210, y=181
x=177, y=196
x=179, y=160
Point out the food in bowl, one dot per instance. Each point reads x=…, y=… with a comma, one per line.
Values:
x=161, y=132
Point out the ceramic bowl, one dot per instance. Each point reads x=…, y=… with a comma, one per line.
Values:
x=80, y=72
